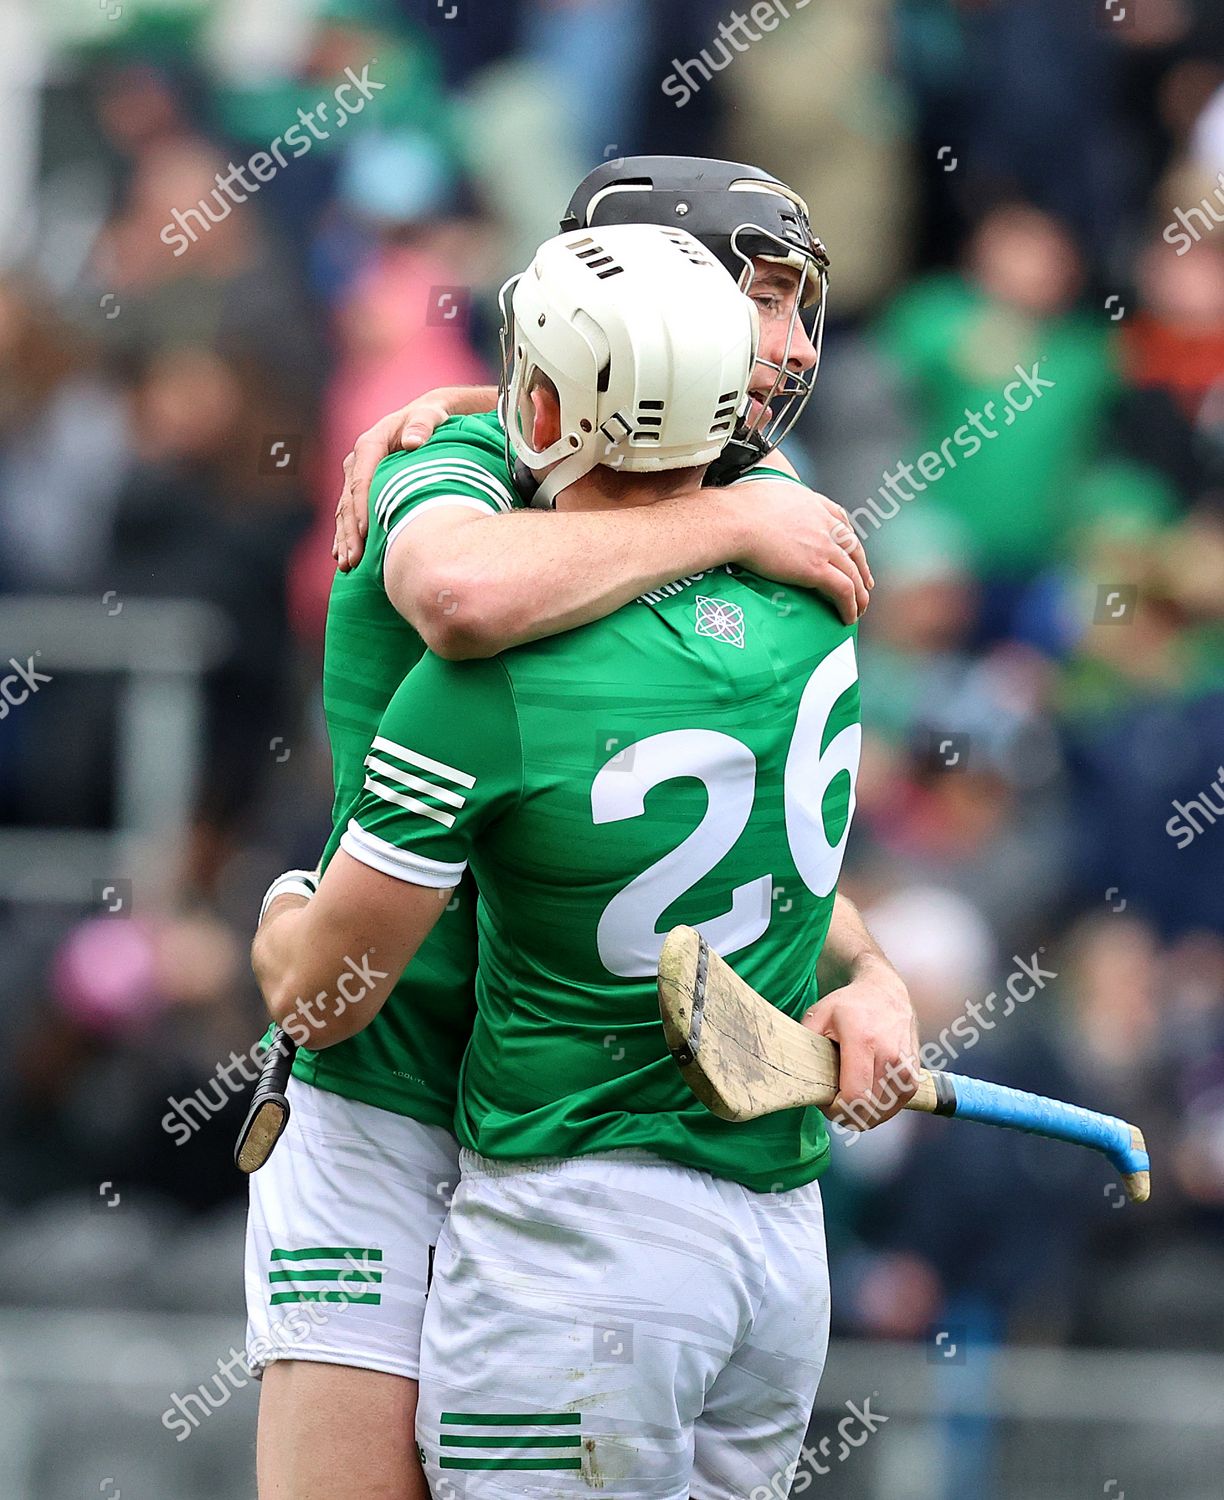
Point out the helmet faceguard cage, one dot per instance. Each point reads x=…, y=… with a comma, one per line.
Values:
x=743, y=216
x=765, y=423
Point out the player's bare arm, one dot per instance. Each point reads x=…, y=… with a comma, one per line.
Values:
x=866, y=1010
x=474, y=585
x=412, y=426
x=326, y=964
x=781, y=531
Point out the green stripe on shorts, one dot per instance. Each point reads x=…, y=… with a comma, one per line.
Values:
x=356, y=1280
x=473, y=1440
x=328, y=1252
x=511, y=1419
x=302, y=1273
x=511, y=1463
x=302, y=1294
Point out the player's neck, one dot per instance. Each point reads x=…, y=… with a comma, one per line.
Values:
x=612, y=489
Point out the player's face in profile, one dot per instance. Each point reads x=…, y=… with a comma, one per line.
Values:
x=774, y=289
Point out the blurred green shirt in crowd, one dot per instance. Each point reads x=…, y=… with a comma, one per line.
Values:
x=957, y=349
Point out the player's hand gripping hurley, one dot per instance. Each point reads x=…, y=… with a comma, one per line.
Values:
x=743, y=1058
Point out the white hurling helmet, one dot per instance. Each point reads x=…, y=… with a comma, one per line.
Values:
x=648, y=341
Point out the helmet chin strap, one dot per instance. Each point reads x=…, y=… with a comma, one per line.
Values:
x=738, y=456
x=575, y=465
x=568, y=471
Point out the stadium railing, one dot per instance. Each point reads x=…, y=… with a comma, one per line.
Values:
x=160, y=648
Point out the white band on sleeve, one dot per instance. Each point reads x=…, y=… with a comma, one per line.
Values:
x=416, y=869
x=764, y=472
x=435, y=475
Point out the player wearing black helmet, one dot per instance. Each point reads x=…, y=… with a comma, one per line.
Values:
x=761, y=232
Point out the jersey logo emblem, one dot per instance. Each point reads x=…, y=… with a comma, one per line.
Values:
x=720, y=620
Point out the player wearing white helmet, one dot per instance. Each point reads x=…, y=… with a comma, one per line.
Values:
x=628, y=1293
x=650, y=382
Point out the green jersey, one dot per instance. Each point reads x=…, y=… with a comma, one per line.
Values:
x=407, y=1059
x=689, y=759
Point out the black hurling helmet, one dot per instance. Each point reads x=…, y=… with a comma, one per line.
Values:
x=740, y=214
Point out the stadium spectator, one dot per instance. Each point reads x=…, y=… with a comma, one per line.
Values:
x=960, y=341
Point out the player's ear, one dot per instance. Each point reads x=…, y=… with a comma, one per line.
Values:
x=545, y=416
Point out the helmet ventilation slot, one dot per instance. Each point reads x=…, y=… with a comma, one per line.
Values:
x=649, y=419
x=593, y=255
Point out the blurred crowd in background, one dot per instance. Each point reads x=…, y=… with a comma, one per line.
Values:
x=1004, y=187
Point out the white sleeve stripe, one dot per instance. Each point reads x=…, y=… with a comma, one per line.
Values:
x=417, y=783
x=380, y=855
x=763, y=473
x=432, y=464
x=457, y=488
x=463, y=468
x=424, y=475
x=403, y=494
x=411, y=804
x=422, y=762
x=439, y=502
x=403, y=484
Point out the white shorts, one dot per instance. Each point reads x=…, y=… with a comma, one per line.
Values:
x=620, y=1323
x=340, y=1238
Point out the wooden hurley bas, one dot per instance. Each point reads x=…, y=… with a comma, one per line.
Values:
x=743, y=1058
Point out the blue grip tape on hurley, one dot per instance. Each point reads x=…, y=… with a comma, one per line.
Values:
x=993, y=1104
